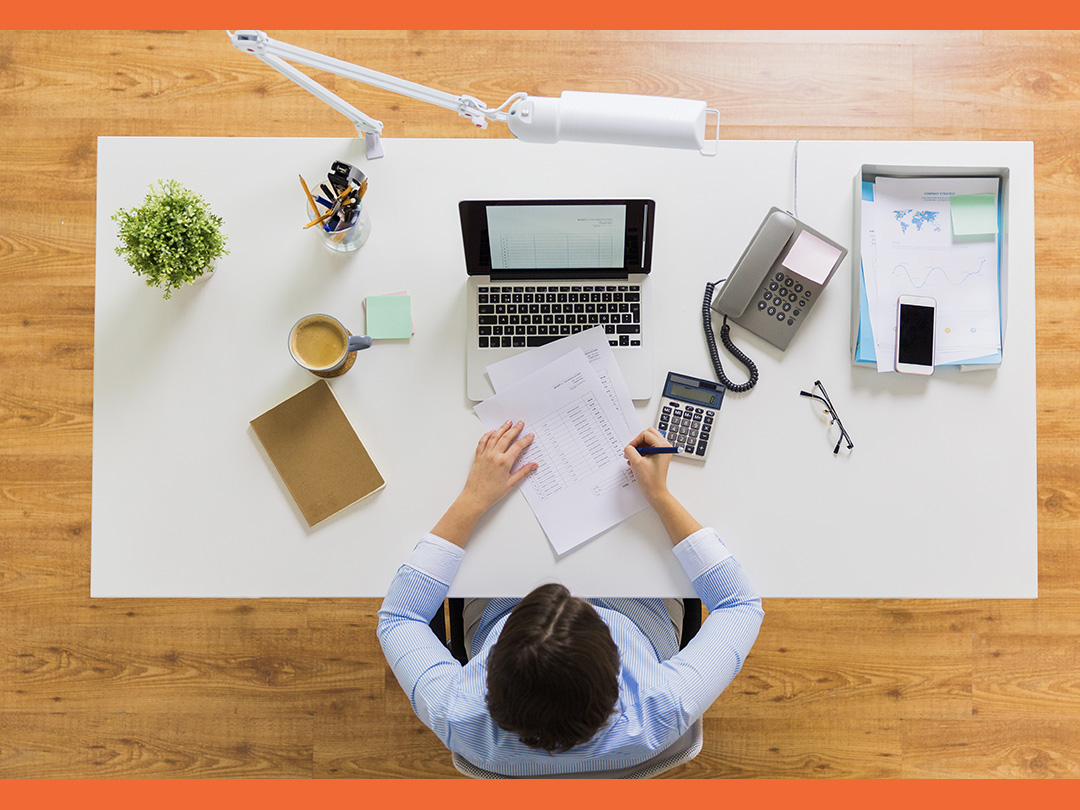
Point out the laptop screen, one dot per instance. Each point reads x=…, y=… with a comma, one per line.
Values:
x=557, y=238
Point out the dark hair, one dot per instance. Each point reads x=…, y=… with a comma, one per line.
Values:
x=552, y=675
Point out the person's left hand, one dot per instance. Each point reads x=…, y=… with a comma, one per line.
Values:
x=490, y=479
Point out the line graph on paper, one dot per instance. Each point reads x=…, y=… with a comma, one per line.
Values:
x=955, y=278
x=571, y=444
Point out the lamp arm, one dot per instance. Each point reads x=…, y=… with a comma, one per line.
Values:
x=615, y=118
x=273, y=53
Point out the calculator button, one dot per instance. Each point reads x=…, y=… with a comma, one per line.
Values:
x=666, y=410
x=708, y=419
x=701, y=448
x=635, y=342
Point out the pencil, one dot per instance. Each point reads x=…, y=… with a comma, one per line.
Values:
x=311, y=199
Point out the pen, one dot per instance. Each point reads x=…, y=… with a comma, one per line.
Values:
x=652, y=451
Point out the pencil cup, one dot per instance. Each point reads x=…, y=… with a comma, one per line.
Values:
x=345, y=236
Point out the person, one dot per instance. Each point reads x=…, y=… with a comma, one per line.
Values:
x=555, y=683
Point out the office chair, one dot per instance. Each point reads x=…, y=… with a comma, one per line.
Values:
x=682, y=750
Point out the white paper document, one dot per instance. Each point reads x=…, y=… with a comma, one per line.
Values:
x=909, y=248
x=594, y=342
x=583, y=485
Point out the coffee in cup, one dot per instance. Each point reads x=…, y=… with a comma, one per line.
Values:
x=322, y=345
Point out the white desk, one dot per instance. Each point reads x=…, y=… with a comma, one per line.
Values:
x=186, y=504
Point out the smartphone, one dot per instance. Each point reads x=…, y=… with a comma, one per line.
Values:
x=915, y=326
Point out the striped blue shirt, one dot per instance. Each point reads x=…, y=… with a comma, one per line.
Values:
x=662, y=690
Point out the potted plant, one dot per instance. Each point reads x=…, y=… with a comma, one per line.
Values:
x=172, y=238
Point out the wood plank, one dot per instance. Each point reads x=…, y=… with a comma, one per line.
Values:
x=797, y=747
x=856, y=675
x=135, y=669
x=102, y=745
x=1029, y=676
x=995, y=748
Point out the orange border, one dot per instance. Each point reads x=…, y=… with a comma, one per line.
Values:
x=541, y=795
x=542, y=14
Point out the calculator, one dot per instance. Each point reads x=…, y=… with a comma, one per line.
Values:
x=688, y=409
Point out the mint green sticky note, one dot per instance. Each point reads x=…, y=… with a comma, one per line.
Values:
x=973, y=214
x=389, y=316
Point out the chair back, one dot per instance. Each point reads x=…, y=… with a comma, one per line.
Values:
x=682, y=750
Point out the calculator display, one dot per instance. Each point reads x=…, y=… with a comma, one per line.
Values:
x=693, y=394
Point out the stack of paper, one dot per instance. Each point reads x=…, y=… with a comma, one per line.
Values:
x=572, y=396
x=935, y=237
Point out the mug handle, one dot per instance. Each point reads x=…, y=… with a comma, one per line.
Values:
x=358, y=342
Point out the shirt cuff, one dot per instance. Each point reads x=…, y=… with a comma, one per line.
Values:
x=436, y=557
x=700, y=551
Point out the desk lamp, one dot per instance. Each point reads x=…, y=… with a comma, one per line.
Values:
x=574, y=116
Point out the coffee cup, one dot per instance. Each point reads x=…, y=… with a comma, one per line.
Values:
x=322, y=345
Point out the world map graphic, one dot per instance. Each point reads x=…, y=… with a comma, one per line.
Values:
x=908, y=217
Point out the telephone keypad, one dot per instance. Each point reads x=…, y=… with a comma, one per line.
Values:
x=783, y=292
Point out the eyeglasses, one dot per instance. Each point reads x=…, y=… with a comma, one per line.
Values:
x=830, y=412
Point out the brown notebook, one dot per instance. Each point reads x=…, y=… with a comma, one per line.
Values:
x=317, y=453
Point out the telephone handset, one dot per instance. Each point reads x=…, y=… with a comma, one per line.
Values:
x=775, y=283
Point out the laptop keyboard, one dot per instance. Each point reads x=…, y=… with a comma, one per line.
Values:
x=517, y=317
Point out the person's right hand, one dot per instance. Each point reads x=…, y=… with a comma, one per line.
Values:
x=650, y=471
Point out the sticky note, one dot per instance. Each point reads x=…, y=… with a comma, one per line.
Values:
x=389, y=316
x=974, y=214
x=811, y=258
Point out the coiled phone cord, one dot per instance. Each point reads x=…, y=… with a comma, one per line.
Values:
x=725, y=337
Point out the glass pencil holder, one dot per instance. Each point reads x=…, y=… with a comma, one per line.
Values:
x=344, y=235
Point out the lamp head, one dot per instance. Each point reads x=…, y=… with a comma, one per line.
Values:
x=610, y=118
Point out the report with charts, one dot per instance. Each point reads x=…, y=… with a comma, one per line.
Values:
x=910, y=248
x=583, y=485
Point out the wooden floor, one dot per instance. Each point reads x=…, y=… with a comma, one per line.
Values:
x=299, y=688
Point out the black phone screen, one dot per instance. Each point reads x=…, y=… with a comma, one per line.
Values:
x=915, y=335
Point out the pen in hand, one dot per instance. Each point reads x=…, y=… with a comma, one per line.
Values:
x=652, y=451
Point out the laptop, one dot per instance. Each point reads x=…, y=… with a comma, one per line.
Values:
x=540, y=270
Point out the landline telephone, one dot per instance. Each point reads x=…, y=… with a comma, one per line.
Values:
x=775, y=283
